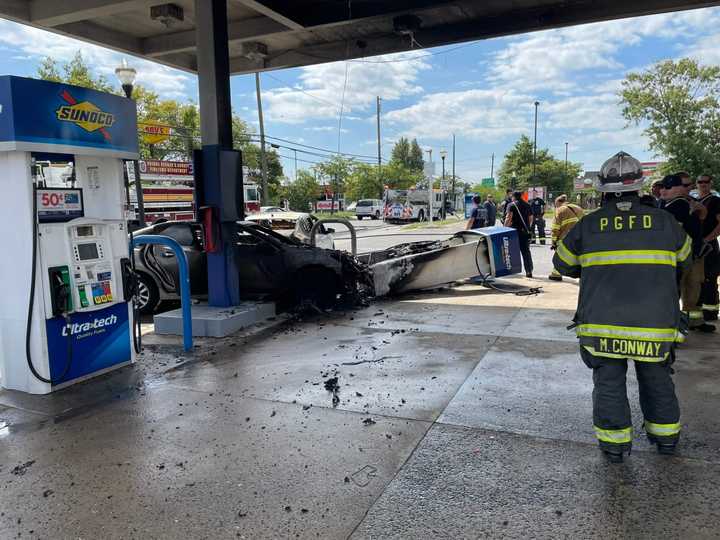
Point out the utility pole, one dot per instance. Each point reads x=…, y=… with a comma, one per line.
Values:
x=263, y=156
x=295, y=150
x=378, y=137
x=430, y=187
x=453, y=174
x=566, y=159
x=537, y=103
x=492, y=165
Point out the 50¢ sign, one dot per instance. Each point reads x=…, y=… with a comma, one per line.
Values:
x=59, y=204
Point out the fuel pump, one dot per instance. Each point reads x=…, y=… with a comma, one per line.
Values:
x=61, y=152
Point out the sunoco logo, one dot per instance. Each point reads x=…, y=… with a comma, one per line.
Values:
x=506, y=253
x=85, y=115
x=77, y=328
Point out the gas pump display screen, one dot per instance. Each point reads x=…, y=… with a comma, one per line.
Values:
x=85, y=230
x=87, y=252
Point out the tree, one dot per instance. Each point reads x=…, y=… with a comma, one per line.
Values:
x=415, y=163
x=679, y=103
x=76, y=72
x=398, y=176
x=516, y=170
x=364, y=183
x=303, y=192
x=408, y=154
x=336, y=172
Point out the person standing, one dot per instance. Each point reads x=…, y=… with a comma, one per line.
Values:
x=655, y=191
x=491, y=210
x=626, y=255
x=709, y=299
x=504, y=205
x=537, y=207
x=675, y=193
x=477, y=215
x=567, y=215
x=519, y=216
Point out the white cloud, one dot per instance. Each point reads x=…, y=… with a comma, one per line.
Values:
x=476, y=114
x=319, y=94
x=36, y=44
x=552, y=60
x=326, y=129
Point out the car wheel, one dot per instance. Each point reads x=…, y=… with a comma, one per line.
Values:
x=377, y=214
x=421, y=215
x=359, y=218
x=316, y=287
x=147, y=297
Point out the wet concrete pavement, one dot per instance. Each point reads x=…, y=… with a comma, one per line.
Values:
x=462, y=414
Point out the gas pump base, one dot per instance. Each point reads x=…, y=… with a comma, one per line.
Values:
x=210, y=321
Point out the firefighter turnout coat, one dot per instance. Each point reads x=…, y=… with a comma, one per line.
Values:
x=626, y=255
x=566, y=216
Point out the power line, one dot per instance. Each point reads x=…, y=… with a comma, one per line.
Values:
x=295, y=89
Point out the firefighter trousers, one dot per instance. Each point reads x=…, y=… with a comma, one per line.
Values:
x=539, y=226
x=691, y=283
x=611, y=410
x=709, y=298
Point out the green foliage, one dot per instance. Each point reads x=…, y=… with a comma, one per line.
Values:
x=516, y=170
x=679, y=103
x=364, y=183
x=408, y=155
x=76, y=72
x=398, y=176
x=303, y=192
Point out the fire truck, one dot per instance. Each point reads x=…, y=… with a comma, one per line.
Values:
x=168, y=191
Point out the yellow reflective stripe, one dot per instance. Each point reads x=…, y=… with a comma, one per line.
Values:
x=684, y=252
x=569, y=220
x=632, y=332
x=711, y=307
x=617, y=436
x=662, y=430
x=695, y=314
x=628, y=256
x=566, y=256
x=652, y=359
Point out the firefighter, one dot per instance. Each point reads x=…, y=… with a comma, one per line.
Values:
x=711, y=230
x=567, y=215
x=627, y=255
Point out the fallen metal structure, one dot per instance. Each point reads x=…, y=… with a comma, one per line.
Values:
x=487, y=252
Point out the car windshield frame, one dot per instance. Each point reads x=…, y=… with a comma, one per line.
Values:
x=268, y=235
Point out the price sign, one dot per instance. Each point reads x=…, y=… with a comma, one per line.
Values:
x=59, y=204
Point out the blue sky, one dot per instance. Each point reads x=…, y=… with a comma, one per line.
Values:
x=482, y=92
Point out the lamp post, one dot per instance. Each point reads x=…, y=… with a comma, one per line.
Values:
x=566, y=159
x=430, y=186
x=443, y=155
x=126, y=75
x=537, y=103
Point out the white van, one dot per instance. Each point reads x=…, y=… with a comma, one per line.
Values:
x=372, y=208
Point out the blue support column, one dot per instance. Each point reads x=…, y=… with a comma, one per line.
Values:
x=220, y=189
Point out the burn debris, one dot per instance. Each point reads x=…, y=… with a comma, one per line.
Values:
x=332, y=385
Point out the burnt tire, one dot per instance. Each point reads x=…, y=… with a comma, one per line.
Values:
x=147, y=296
x=421, y=215
x=317, y=287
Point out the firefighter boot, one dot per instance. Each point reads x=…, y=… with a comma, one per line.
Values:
x=664, y=448
x=613, y=457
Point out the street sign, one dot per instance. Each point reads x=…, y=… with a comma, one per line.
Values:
x=488, y=182
x=154, y=133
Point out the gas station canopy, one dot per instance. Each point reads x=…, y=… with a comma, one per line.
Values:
x=273, y=34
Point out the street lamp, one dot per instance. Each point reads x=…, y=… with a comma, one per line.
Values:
x=537, y=103
x=126, y=75
x=443, y=155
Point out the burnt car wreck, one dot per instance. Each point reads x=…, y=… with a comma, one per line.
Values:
x=487, y=252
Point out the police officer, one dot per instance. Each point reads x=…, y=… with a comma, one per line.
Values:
x=537, y=208
x=627, y=255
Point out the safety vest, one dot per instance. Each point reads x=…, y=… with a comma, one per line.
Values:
x=566, y=217
x=626, y=255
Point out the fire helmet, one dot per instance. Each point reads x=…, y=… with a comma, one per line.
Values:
x=622, y=172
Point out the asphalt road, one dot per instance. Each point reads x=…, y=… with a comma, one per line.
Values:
x=377, y=235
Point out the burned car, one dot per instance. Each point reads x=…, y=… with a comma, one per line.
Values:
x=270, y=265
